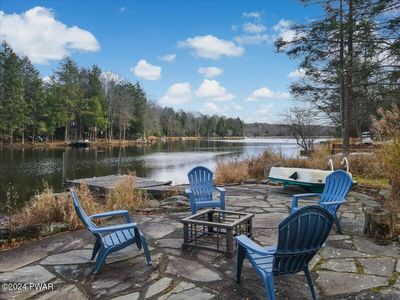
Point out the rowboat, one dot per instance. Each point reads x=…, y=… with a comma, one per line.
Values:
x=310, y=179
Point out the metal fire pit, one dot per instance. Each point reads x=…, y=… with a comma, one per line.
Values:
x=214, y=230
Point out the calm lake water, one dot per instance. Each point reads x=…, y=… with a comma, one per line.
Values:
x=27, y=169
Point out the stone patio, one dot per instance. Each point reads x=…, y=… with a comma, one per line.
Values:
x=348, y=267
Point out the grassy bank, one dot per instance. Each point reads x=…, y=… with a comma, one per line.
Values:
x=375, y=171
x=47, y=207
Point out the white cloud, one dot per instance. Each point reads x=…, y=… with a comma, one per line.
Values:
x=214, y=91
x=282, y=25
x=210, y=71
x=266, y=93
x=298, y=73
x=252, y=39
x=210, y=108
x=253, y=28
x=122, y=9
x=178, y=93
x=209, y=46
x=284, y=31
x=252, y=14
x=168, y=57
x=37, y=34
x=147, y=71
x=213, y=108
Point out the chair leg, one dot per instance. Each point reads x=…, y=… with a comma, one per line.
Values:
x=193, y=207
x=269, y=286
x=145, y=249
x=100, y=259
x=96, y=248
x=337, y=223
x=241, y=254
x=310, y=283
x=137, y=238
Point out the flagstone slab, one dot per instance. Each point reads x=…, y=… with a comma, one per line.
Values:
x=170, y=243
x=269, y=220
x=398, y=266
x=330, y=252
x=66, y=292
x=338, y=237
x=27, y=274
x=368, y=246
x=378, y=266
x=131, y=296
x=158, y=286
x=82, y=256
x=32, y=274
x=186, y=290
x=191, y=270
x=340, y=265
x=333, y=283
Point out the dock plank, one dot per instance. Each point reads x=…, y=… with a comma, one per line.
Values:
x=103, y=184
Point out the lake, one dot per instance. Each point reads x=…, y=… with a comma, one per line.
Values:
x=27, y=169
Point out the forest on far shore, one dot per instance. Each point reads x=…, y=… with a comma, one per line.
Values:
x=86, y=103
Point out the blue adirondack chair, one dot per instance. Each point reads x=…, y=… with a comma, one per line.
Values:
x=111, y=238
x=300, y=237
x=337, y=186
x=201, y=189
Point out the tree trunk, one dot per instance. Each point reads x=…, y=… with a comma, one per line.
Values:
x=380, y=224
x=11, y=136
x=349, y=82
x=23, y=136
x=66, y=133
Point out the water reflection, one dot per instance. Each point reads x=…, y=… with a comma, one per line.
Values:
x=28, y=168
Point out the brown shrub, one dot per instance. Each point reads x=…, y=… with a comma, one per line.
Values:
x=47, y=208
x=126, y=196
x=391, y=168
x=231, y=172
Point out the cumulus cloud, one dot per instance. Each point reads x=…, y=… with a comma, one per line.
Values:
x=214, y=91
x=298, y=73
x=253, y=28
x=37, y=34
x=168, y=57
x=209, y=46
x=210, y=71
x=213, y=108
x=178, y=93
x=282, y=28
x=266, y=93
x=147, y=71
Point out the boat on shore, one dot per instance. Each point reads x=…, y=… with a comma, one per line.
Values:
x=310, y=179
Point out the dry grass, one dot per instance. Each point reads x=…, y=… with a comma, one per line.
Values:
x=47, y=208
x=126, y=196
x=364, y=166
x=391, y=168
x=231, y=172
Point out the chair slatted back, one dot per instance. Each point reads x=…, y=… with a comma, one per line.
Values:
x=337, y=186
x=81, y=213
x=301, y=235
x=201, y=183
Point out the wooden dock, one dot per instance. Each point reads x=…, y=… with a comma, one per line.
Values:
x=101, y=185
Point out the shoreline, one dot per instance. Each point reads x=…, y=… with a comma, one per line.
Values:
x=149, y=141
x=114, y=142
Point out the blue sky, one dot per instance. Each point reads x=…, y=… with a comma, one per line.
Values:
x=210, y=56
